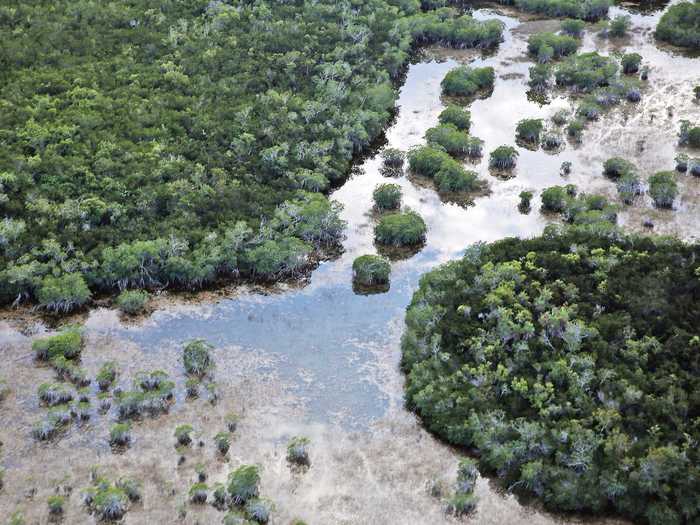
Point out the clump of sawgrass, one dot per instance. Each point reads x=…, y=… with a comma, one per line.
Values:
x=56, y=504
x=120, y=435
x=298, y=451
x=243, y=484
x=106, y=501
x=223, y=442
x=183, y=434
x=53, y=423
x=54, y=394
x=106, y=375
x=199, y=492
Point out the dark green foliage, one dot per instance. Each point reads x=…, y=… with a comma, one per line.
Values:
x=107, y=375
x=457, y=116
x=426, y=160
x=106, y=500
x=618, y=26
x=120, y=435
x=616, y=167
x=575, y=129
x=442, y=27
x=132, y=302
x=400, y=229
x=573, y=27
x=152, y=395
x=503, y=158
x=223, y=442
x=540, y=76
x=464, y=81
x=529, y=130
x=371, y=270
x=547, y=46
x=554, y=199
x=196, y=357
x=569, y=362
x=55, y=394
x=663, y=188
x=392, y=162
x=631, y=62
x=680, y=25
x=629, y=186
x=525, y=200
x=585, y=71
x=452, y=177
x=183, y=434
x=591, y=10
x=243, y=484
x=387, y=197
x=55, y=504
x=689, y=134
x=62, y=294
x=199, y=492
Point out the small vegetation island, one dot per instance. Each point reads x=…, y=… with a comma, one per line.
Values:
x=120, y=169
x=680, y=25
x=569, y=364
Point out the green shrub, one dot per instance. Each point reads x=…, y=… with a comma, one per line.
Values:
x=663, y=188
x=387, y=197
x=441, y=26
x=679, y=25
x=449, y=138
x=298, y=450
x=585, y=72
x=555, y=199
x=400, y=229
x=573, y=27
x=243, y=484
x=223, y=442
x=68, y=343
x=183, y=434
x=561, y=117
x=460, y=504
x=55, y=393
x=107, y=501
x=457, y=116
x=616, y=167
x=529, y=130
x=132, y=302
x=258, y=510
x=575, y=129
x=107, y=375
x=426, y=160
x=63, y=294
x=464, y=81
x=590, y=10
x=618, y=26
x=547, y=46
x=196, y=357
x=525, y=199
x=120, y=435
x=55, y=504
x=452, y=177
x=569, y=335
x=131, y=488
x=503, y=158
x=628, y=187
x=631, y=63
x=540, y=75
x=371, y=270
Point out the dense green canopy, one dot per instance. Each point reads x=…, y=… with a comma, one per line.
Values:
x=571, y=364
x=680, y=25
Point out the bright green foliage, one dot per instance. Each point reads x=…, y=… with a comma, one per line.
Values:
x=618, y=26
x=573, y=27
x=199, y=493
x=55, y=393
x=151, y=395
x=387, y=197
x=400, y=229
x=106, y=375
x=663, y=188
x=371, y=270
x=586, y=71
x=464, y=81
x=529, y=130
x=63, y=294
x=427, y=160
x=196, y=357
x=457, y=116
x=120, y=435
x=547, y=46
x=449, y=138
x=55, y=504
x=452, y=177
x=631, y=62
x=680, y=25
x=591, y=10
x=441, y=26
x=243, y=484
x=132, y=302
x=503, y=158
x=570, y=363
x=106, y=500
x=223, y=442
x=67, y=344
x=583, y=210
x=616, y=167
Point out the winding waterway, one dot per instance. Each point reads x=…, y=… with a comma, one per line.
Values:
x=321, y=360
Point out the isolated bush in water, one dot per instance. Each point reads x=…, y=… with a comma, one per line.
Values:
x=503, y=158
x=573, y=27
x=371, y=270
x=449, y=138
x=400, y=229
x=663, y=188
x=464, y=81
x=457, y=116
x=529, y=130
x=543, y=355
x=387, y=196
x=616, y=167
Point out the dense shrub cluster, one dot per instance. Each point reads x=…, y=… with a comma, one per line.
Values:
x=371, y=270
x=591, y=10
x=689, y=134
x=680, y=25
x=547, y=46
x=464, y=81
x=663, y=188
x=399, y=229
x=569, y=364
x=170, y=144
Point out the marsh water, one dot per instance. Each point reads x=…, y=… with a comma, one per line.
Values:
x=319, y=359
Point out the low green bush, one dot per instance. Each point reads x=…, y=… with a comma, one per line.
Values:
x=679, y=25
x=630, y=63
x=663, y=188
x=452, y=177
x=371, y=270
x=400, y=229
x=503, y=158
x=449, y=138
x=529, y=130
x=298, y=450
x=573, y=27
x=387, y=197
x=68, y=343
x=547, y=46
x=616, y=167
x=243, y=484
x=426, y=160
x=464, y=81
x=457, y=116
x=132, y=302
x=196, y=357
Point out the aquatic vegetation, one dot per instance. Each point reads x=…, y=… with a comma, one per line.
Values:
x=196, y=357
x=183, y=434
x=556, y=198
x=464, y=81
x=55, y=393
x=371, y=270
x=68, y=343
x=565, y=168
x=258, y=510
x=630, y=63
x=55, y=504
x=243, y=484
x=223, y=442
x=231, y=421
x=540, y=76
x=573, y=27
x=551, y=141
x=449, y=138
x=529, y=130
x=524, y=205
x=503, y=158
x=617, y=27
x=568, y=333
x=153, y=395
x=405, y=228
x=106, y=501
x=689, y=134
x=590, y=10
x=585, y=72
x=81, y=410
x=547, y=46
x=452, y=177
x=682, y=160
x=457, y=116
x=392, y=162
x=426, y=160
x=298, y=451
x=679, y=25
x=575, y=129
x=629, y=186
x=387, y=197
x=107, y=375
x=616, y=167
x=199, y=492
x=192, y=387
x=132, y=302
x=120, y=435
x=663, y=188
x=440, y=26
x=579, y=209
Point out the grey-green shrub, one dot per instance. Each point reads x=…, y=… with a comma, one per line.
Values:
x=371, y=270
x=663, y=188
x=400, y=229
x=387, y=197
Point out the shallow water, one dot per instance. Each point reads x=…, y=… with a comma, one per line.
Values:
x=322, y=361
